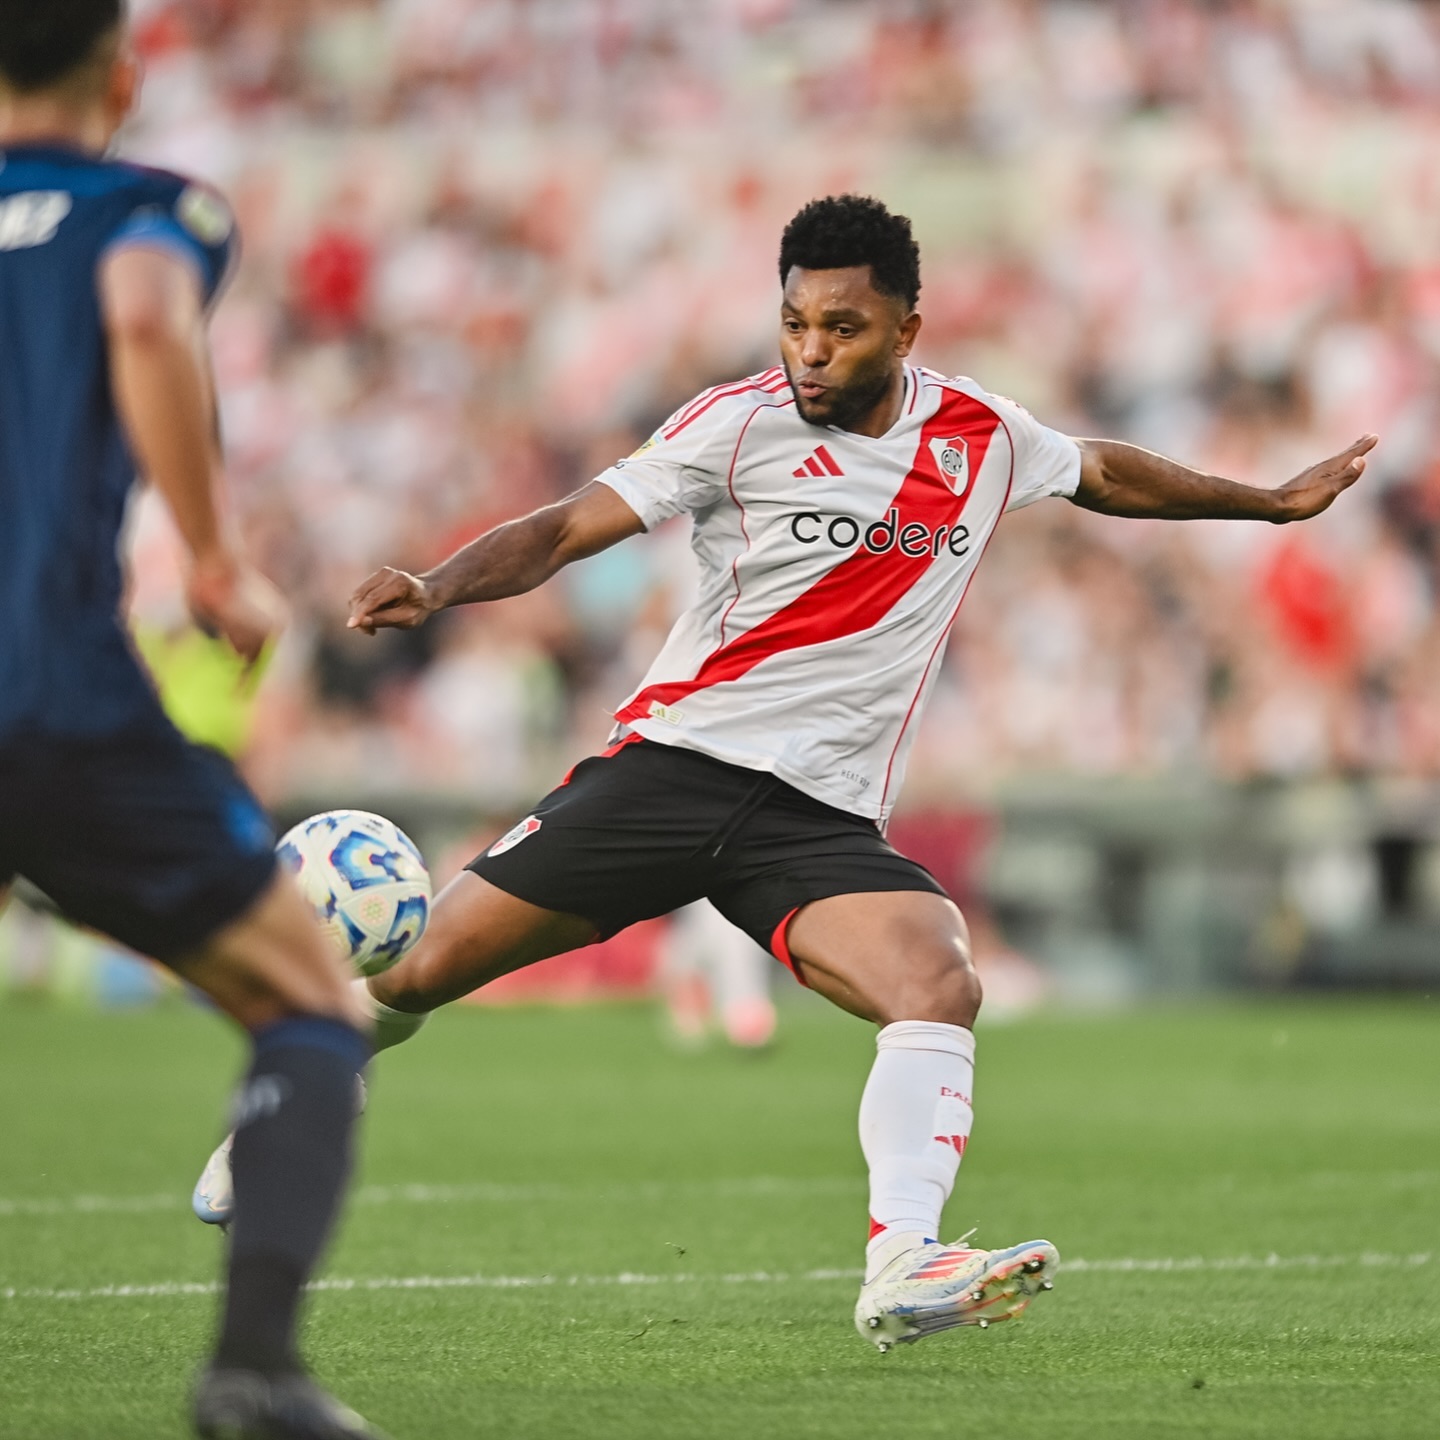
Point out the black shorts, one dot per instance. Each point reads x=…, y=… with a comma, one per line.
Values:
x=153, y=840
x=646, y=828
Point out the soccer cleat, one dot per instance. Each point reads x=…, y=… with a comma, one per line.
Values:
x=213, y=1199
x=936, y=1287
x=246, y=1405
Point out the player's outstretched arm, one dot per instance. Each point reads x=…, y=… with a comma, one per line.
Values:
x=155, y=324
x=1119, y=479
x=508, y=560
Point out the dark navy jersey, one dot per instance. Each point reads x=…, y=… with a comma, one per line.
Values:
x=66, y=665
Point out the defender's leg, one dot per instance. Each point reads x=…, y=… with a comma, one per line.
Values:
x=476, y=933
x=275, y=974
x=157, y=843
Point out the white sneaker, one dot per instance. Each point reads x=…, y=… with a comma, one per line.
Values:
x=936, y=1287
x=213, y=1198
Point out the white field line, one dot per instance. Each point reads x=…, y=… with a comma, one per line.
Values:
x=636, y=1191
x=1164, y=1265
x=482, y=1193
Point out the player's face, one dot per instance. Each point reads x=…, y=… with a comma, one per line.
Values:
x=842, y=344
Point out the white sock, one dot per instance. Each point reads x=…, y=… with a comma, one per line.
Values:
x=392, y=1027
x=915, y=1119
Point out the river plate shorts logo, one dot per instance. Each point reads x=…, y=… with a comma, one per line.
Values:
x=511, y=838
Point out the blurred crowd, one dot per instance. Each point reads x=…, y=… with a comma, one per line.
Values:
x=491, y=243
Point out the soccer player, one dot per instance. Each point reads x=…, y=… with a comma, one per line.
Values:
x=840, y=503
x=106, y=273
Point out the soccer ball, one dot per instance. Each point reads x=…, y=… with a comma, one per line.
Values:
x=366, y=881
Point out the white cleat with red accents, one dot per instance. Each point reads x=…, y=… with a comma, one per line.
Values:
x=932, y=1287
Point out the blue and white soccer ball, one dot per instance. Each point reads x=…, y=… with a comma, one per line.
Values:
x=366, y=881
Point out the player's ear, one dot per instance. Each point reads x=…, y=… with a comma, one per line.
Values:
x=909, y=330
x=123, y=86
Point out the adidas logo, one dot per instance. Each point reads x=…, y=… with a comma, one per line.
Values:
x=822, y=462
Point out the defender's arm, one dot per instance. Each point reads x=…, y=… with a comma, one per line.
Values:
x=1119, y=479
x=155, y=323
x=508, y=560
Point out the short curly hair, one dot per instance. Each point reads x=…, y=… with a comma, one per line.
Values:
x=42, y=42
x=844, y=230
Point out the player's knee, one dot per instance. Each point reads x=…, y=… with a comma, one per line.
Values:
x=937, y=982
x=283, y=992
x=958, y=996
x=417, y=984
x=947, y=992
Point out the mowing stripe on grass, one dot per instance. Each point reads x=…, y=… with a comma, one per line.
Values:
x=488, y=1194
x=503, y=1194
x=1127, y=1265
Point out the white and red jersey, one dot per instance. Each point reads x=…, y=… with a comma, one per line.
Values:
x=832, y=566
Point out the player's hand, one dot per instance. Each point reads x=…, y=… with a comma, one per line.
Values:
x=392, y=599
x=1315, y=489
x=232, y=599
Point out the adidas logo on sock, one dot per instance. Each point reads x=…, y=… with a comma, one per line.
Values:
x=822, y=462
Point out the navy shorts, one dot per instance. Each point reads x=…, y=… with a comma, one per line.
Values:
x=153, y=840
x=646, y=829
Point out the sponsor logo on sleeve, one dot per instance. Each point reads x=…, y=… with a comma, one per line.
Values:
x=205, y=215
x=649, y=445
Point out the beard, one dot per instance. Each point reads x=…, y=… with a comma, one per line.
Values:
x=843, y=407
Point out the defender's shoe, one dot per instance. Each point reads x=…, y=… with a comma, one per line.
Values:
x=213, y=1199
x=246, y=1405
x=936, y=1287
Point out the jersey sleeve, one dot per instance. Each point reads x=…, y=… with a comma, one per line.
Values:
x=1046, y=462
x=684, y=465
x=191, y=221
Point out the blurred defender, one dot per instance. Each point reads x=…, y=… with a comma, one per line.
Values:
x=106, y=273
x=841, y=503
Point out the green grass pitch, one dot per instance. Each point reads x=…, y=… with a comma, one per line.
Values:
x=531, y=1144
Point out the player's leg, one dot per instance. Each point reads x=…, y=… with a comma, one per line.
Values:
x=477, y=933
x=158, y=844
x=902, y=959
x=739, y=980
x=681, y=976
x=481, y=927
x=273, y=972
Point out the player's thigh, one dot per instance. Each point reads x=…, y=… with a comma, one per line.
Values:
x=159, y=844
x=477, y=933
x=273, y=962
x=145, y=837
x=887, y=955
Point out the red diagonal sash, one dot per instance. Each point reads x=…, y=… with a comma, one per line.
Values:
x=863, y=588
